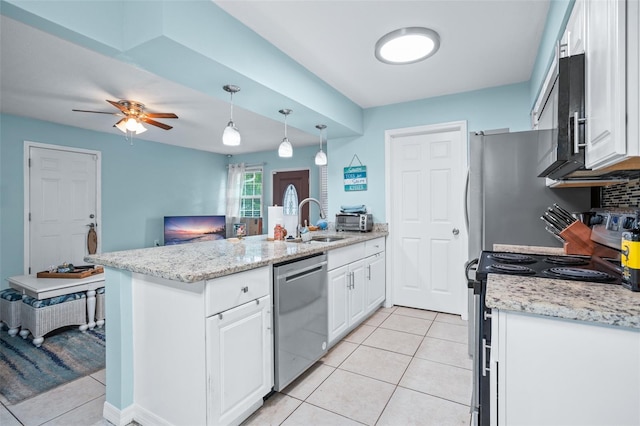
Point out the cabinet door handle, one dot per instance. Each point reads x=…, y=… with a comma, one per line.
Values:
x=244, y=289
x=576, y=133
x=369, y=272
x=485, y=370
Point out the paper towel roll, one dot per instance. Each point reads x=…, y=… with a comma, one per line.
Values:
x=274, y=216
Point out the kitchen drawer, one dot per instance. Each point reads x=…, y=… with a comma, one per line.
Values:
x=233, y=290
x=344, y=255
x=372, y=247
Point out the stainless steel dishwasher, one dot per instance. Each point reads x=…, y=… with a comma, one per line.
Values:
x=300, y=316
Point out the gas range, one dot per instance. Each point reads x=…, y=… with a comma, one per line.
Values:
x=575, y=268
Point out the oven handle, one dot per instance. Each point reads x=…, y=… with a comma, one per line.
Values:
x=485, y=369
x=468, y=267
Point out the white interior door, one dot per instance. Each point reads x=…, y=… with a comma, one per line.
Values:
x=426, y=209
x=63, y=191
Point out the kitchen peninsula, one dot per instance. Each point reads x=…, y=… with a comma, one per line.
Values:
x=192, y=336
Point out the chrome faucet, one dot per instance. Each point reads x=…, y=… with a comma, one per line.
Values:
x=302, y=203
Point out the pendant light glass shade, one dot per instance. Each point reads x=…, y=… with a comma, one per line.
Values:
x=285, y=150
x=231, y=135
x=321, y=157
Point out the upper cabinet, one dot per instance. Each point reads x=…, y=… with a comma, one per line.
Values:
x=605, y=87
x=573, y=40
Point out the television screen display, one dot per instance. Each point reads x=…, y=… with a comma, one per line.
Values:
x=193, y=229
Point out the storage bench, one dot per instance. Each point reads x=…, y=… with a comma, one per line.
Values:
x=41, y=316
x=10, y=309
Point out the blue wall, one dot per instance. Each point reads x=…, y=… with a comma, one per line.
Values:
x=140, y=184
x=500, y=107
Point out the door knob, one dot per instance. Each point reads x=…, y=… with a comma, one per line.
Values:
x=455, y=231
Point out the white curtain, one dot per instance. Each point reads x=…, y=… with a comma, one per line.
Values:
x=234, y=193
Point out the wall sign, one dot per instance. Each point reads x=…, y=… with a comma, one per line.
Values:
x=355, y=177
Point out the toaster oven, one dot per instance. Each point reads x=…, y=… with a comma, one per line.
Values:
x=362, y=222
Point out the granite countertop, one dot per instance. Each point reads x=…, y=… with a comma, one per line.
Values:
x=510, y=248
x=608, y=304
x=211, y=259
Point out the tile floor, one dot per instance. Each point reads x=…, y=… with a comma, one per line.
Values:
x=401, y=367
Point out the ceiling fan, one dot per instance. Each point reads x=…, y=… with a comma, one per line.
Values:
x=134, y=114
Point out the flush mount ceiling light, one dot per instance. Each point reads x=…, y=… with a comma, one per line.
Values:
x=285, y=149
x=407, y=45
x=321, y=157
x=231, y=135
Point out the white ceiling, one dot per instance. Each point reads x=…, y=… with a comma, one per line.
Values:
x=483, y=44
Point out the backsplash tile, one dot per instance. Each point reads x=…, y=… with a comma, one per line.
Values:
x=622, y=195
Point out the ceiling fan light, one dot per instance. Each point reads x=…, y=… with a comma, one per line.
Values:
x=140, y=128
x=407, y=45
x=122, y=126
x=285, y=150
x=231, y=135
x=321, y=158
x=131, y=124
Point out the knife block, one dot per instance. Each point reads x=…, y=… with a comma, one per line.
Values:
x=577, y=238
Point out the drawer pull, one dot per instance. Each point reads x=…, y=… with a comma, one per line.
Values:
x=220, y=316
x=245, y=289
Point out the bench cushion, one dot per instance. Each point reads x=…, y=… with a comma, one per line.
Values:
x=41, y=303
x=10, y=294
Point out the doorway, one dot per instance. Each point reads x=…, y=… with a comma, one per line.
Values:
x=62, y=204
x=425, y=205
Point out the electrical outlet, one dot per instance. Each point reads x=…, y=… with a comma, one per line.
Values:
x=156, y=243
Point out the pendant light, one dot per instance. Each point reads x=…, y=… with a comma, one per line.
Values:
x=231, y=135
x=321, y=157
x=285, y=150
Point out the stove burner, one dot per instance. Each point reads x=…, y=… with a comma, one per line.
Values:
x=510, y=269
x=567, y=260
x=511, y=258
x=579, y=274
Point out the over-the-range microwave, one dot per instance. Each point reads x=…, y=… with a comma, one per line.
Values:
x=362, y=222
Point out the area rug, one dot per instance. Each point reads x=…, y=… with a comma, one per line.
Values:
x=66, y=354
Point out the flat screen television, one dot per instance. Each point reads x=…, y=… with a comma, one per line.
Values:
x=193, y=229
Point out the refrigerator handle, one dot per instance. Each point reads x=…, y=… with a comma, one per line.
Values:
x=466, y=202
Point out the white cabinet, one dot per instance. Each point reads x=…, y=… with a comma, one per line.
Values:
x=605, y=83
x=357, y=285
x=239, y=360
x=203, y=351
x=375, y=271
x=549, y=371
x=573, y=39
x=346, y=298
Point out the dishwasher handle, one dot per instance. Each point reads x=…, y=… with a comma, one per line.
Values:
x=299, y=273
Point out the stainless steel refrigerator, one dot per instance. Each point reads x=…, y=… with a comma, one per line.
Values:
x=505, y=195
x=505, y=199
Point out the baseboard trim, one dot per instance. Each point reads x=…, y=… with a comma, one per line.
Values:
x=116, y=416
x=146, y=417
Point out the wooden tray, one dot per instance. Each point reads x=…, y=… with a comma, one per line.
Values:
x=83, y=273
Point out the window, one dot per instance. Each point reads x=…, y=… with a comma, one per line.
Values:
x=251, y=197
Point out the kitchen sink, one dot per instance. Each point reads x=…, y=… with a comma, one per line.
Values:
x=325, y=239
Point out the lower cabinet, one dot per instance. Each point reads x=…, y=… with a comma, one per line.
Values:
x=357, y=285
x=375, y=269
x=346, y=298
x=239, y=360
x=549, y=371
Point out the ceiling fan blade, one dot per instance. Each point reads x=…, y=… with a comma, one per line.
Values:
x=119, y=121
x=95, y=112
x=156, y=123
x=117, y=105
x=160, y=115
